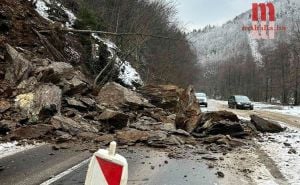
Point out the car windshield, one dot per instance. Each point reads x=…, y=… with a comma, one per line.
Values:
x=242, y=99
x=200, y=94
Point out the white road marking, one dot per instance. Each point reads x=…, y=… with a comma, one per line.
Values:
x=62, y=174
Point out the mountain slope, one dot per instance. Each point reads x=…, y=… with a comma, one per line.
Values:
x=221, y=46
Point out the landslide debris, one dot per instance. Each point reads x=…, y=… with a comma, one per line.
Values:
x=44, y=98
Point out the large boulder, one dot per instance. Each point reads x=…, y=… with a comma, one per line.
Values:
x=32, y=132
x=218, y=116
x=131, y=136
x=70, y=126
x=54, y=72
x=43, y=102
x=65, y=76
x=115, y=95
x=113, y=119
x=189, y=111
x=224, y=127
x=18, y=67
x=264, y=125
x=163, y=96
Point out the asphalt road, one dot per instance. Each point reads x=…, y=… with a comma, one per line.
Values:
x=146, y=166
x=43, y=165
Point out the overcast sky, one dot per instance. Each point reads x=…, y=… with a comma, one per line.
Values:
x=195, y=14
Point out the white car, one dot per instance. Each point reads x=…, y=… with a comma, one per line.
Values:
x=202, y=99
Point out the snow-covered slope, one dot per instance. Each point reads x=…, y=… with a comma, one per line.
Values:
x=216, y=44
x=127, y=74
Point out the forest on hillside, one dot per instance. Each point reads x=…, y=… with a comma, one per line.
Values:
x=264, y=70
x=159, y=61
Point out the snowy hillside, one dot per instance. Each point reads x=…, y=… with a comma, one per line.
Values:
x=219, y=43
x=127, y=74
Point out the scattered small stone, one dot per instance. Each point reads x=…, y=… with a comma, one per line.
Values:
x=210, y=165
x=54, y=147
x=287, y=144
x=220, y=174
x=93, y=150
x=51, y=154
x=211, y=158
x=221, y=158
x=292, y=151
x=185, y=176
x=152, y=167
x=1, y=168
x=246, y=170
x=166, y=162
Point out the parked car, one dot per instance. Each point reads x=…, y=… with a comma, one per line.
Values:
x=202, y=99
x=240, y=102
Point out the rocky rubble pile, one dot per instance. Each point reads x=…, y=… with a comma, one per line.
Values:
x=52, y=101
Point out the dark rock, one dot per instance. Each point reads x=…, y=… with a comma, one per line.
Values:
x=287, y=144
x=218, y=116
x=210, y=158
x=6, y=126
x=88, y=102
x=32, y=132
x=114, y=119
x=264, y=125
x=222, y=127
x=62, y=136
x=54, y=147
x=210, y=165
x=292, y=151
x=220, y=174
x=72, y=102
x=78, y=84
x=181, y=132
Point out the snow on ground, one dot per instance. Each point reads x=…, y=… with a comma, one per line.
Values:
x=43, y=6
x=128, y=74
x=11, y=148
x=277, y=147
x=287, y=110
